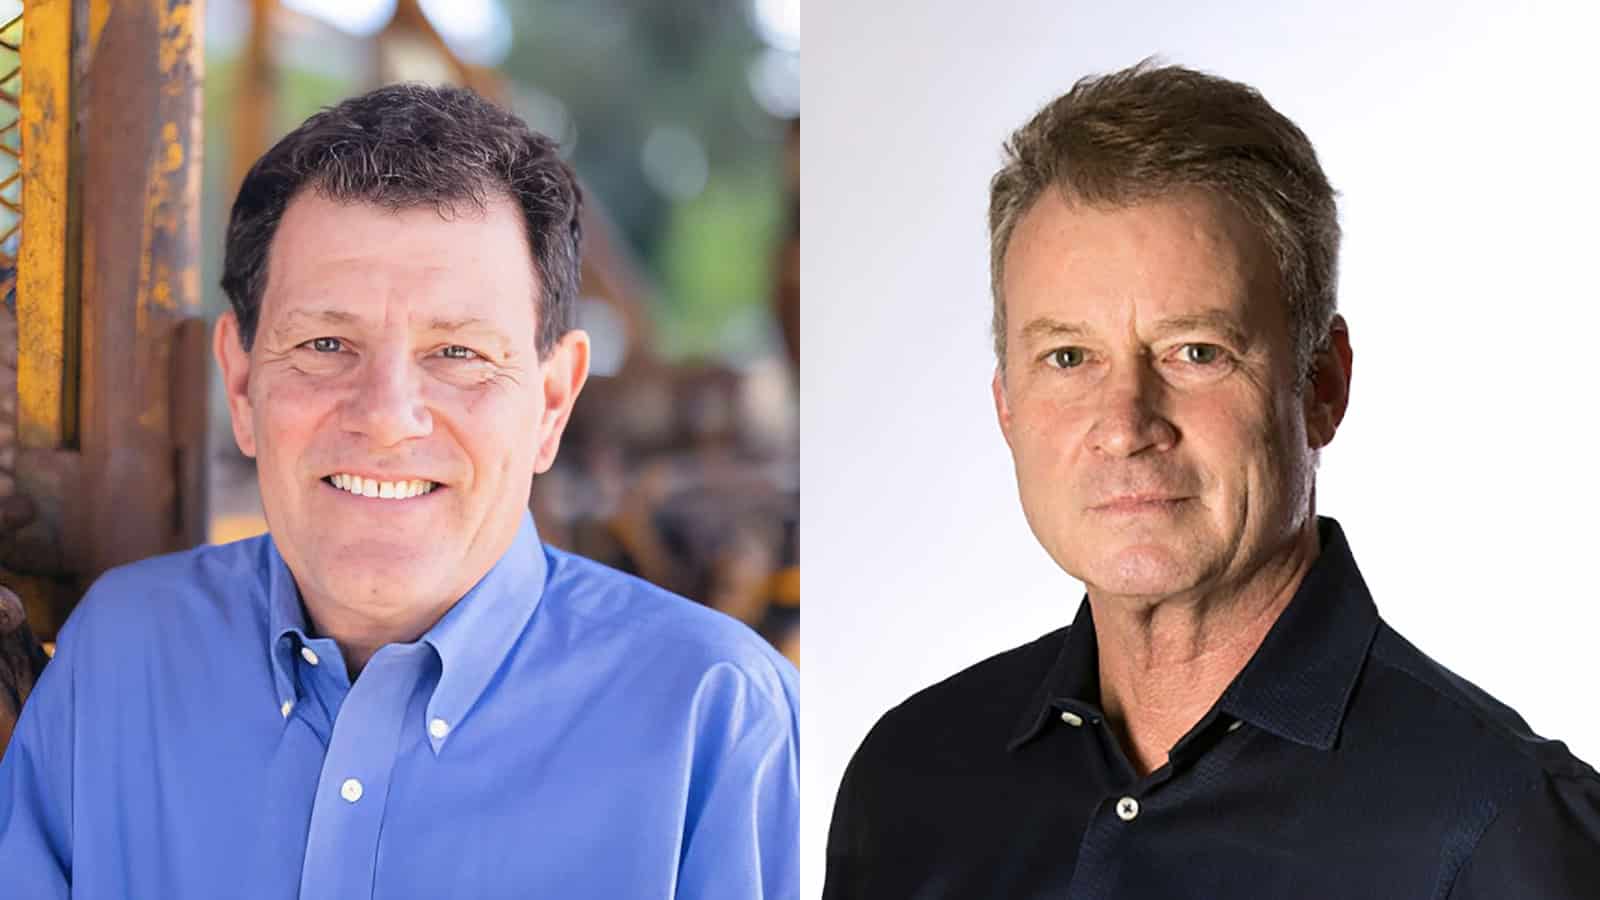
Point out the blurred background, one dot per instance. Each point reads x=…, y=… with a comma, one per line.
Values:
x=135, y=122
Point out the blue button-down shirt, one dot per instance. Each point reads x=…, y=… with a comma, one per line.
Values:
x=564, y=731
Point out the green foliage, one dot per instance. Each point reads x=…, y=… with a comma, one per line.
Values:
x=717, y=258
x=622, y=69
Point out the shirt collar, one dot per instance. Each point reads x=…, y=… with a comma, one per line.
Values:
x=286, y=623
x=1298, y=683
x=472, y=639
x=477, y=634
x=1072, y=685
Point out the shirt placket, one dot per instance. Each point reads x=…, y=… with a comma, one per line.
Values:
x=1130, y=801
x=353, y=790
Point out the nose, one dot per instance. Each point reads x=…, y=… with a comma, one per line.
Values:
x=1130, y=419
x=387, y=405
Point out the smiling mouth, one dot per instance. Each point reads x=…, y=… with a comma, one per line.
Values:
x=403, y=489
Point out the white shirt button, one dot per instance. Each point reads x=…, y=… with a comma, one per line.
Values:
x=438, y=728
x=286, y=708
x=1072, y=718
x=309, y=655
x=1127, y=809
x=350, y=790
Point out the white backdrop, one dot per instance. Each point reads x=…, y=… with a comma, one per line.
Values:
x=1461, y=139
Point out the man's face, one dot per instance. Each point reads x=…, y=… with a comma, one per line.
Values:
x=1148, y=394
x=397, y=348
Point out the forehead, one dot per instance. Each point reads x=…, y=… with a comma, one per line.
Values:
x=370, y=261
x=1188, y=253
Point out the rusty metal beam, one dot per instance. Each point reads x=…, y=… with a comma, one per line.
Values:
x=255, y=93
x=46, y=317
x=141, y=64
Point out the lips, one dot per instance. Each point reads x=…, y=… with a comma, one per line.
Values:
x=1139, y=503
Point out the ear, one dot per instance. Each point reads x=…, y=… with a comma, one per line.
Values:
x=234, y=361
x=1002, y=408
x=563, y=374
x=1328, y=392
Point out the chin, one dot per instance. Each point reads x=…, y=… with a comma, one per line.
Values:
x=391, y=562
x=392, y=589
x=1143, y=570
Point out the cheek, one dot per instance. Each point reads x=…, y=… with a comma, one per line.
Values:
x=1252, y=445
x=1047, y=430
x=284, y=412
x=1229, y=439
x=498, y=427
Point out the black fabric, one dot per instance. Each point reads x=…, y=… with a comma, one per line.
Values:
x=1340, y=763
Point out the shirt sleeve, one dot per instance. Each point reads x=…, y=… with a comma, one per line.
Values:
x=36, y=787
x=1545, y=844
x=846, y=840
x=743, y=829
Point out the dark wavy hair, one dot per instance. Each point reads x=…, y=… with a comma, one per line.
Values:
x=405, y=146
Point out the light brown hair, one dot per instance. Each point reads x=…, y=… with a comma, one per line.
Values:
x=1149, y=131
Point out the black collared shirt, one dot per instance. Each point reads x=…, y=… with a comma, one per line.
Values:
x=1340, y=763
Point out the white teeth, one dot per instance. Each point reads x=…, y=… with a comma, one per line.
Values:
x=385, y=490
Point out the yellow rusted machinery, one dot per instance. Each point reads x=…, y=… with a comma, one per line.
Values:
x=102, y=426
x=103, y=350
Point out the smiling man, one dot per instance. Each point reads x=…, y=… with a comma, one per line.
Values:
x=1227, y=716
x=399, y=691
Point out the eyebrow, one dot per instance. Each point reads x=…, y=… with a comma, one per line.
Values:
x=1045, y=328
x=443, y=324
x=340, y=317
x=1214, y=321
x=295, y=318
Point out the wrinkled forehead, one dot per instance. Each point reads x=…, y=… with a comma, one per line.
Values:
x=364, y=260
x=1187, y=253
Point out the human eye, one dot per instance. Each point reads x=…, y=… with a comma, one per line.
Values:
x=1200, y=360
x=1202, y=354
x=325, y=344
x=1066, y=357
x=456, y=351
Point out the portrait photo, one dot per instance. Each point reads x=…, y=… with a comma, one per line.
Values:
x=398, y=449
x=1453, y=140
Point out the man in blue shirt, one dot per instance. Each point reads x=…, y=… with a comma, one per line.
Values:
x=399, y=692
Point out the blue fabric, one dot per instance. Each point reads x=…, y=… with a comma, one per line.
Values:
x=564, y=731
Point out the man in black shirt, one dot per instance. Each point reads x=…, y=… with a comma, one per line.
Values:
x=1227, y=716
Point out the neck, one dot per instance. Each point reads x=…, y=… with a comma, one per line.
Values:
x=1164, y=662
x=360, y=632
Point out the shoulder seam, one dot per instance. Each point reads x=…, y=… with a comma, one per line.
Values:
x=1506, y=735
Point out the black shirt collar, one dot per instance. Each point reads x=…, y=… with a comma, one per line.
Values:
x=1298, y=683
